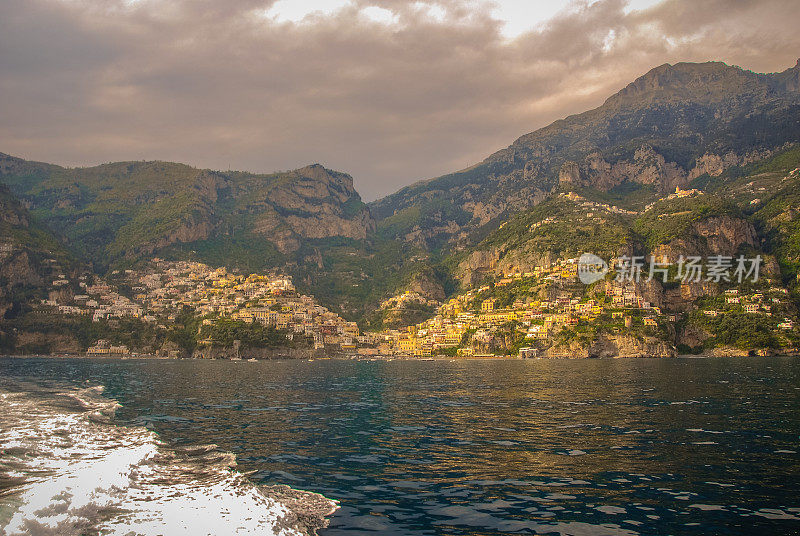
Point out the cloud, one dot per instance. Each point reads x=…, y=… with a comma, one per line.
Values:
x=388, y=90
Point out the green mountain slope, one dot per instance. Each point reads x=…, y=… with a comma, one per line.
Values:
x=31, y=257
x=568, y=225
x=778, y=218
x=126, y=211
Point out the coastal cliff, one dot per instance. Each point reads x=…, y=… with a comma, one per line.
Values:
x=617, y=345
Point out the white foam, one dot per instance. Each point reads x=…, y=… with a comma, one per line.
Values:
x=82, y=472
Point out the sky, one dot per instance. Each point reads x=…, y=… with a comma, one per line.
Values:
x=390, y=91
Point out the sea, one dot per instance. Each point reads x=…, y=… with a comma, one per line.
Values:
x=617, y=447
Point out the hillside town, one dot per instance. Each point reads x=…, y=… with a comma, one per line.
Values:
x=520, y=314
x=162, y=289
x=476, y=324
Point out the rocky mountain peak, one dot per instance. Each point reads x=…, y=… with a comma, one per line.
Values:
x=317, y=172
x=685, y=80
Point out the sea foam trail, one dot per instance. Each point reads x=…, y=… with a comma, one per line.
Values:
x=66, y=469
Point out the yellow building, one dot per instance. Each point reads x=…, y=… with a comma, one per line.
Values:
x=351, y=330
x=453, y=338
x=406, y=346
x=499, y=317
x=245, y=316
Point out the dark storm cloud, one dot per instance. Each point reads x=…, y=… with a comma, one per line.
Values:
x=217, y=84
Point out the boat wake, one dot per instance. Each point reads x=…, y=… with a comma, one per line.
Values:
x=66, y=469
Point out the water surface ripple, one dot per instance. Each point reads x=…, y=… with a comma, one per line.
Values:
x=616, y=447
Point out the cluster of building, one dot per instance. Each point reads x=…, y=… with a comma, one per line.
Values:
x=678, y=194
x=468, y=324
x=6, y=249
x=105, y=348
x=89, y=295
x=165, y=288
x=407, y=299
x=594, y=205
x=162, y=289
x=753, y=302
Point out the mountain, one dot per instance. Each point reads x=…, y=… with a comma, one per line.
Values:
x=673, y=125
x=598, y=181
x=122, y=212
x=748, y=210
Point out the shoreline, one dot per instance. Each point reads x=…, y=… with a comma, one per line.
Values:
x=379, y=358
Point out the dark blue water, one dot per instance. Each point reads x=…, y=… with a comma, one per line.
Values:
x=679, y=446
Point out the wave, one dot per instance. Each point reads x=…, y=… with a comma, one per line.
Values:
x=66, y=469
